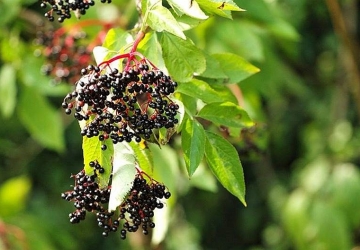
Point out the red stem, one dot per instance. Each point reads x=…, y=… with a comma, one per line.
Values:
x=138, y=38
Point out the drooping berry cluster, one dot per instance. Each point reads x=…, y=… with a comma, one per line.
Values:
x=65, y=54
x=138, y=209
x=123, y=105
x=87, y=197
x=135, y=212
x=63, y=8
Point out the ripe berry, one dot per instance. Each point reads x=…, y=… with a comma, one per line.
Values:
x=62, y=8
x=121, y=103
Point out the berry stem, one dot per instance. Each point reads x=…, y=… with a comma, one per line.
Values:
x=138, y=38
x=115, y=58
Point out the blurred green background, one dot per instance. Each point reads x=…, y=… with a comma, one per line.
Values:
x=301, y=160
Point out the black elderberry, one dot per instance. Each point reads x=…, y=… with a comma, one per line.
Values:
x=62, y=8
x=116, y=101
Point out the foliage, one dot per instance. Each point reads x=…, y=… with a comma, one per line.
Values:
x=300, y=159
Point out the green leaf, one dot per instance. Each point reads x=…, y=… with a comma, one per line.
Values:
x=224, y=162
x=187, y=23
x=160, y=19
x=7, y=90
x=221, y=8
x=189, y=105
x=284, y=30
x=13, y=195
x=180, y=113
x=193, y=144
x=235, y=67
x=227, y=114
x=143, y=156
x=182, y=57
x=203, y=91
x=31, y=76
x=9, y=10
x=151, y=49
x=124, y=171
x=41, y=119
x=116, y=39
x=213, y=69
x=188, y=7
x=92, y=152
x=250, y=46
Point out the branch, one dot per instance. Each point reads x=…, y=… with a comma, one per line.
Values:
x=340, y=28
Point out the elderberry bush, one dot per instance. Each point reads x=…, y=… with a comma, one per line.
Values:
x=136, y=212
x=123, y=105
x=63, y=8
x=65, y=54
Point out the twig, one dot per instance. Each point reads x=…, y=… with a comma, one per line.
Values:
x=340, y=28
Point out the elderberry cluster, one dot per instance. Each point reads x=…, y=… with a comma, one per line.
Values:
x=87, y=197
x=135, y=212
x=138, y=209
x=63, y=8
x=123, y=105
x=65, y=55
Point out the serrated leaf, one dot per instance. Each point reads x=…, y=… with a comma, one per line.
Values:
x=41, y=120
x=160, y=19
x=217, y=7
x=116, y=39
x=182, y=58
x=227, y=114
x=193, y=144
x=8, y=90
x=188, y=7
x=124, y=171
x=225, y=164
x=92, y=152
x=235, y=67
x=203, y=91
